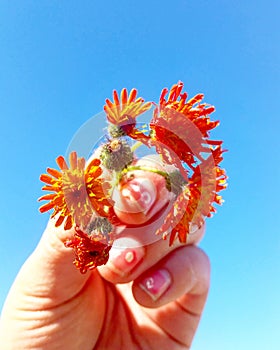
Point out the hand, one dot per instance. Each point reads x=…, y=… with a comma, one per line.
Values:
x=157, y=305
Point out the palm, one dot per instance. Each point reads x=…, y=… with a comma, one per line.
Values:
x=106, y=316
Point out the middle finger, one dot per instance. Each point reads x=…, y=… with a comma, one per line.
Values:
x=130, y=257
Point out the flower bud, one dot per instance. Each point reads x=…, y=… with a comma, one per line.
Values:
x=116, y=155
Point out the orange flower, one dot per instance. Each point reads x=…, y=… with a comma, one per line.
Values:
x=76, y=192
x=193, y=109
x=90, y=252
x=124, y=111
x=181, y=128
x=98, y=189
x=196, y=200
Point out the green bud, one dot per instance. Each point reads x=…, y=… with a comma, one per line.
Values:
x=99, y=226
x=116, y=155
x=115, y=131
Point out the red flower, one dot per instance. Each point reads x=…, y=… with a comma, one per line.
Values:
x=90, y=252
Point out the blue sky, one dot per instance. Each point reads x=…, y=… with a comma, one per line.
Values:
x=60, y=60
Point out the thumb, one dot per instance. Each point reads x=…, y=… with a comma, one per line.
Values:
x=49, y=273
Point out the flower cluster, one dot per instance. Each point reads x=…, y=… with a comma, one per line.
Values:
x=117, y=188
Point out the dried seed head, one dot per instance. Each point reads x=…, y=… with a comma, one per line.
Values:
x=116, y=155
x=99, y=226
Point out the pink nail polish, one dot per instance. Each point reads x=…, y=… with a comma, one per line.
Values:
x=156, y=284
x=124, y=262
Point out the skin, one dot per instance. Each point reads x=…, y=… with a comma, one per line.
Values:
x=52, y=306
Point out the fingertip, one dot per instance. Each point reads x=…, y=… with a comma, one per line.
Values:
x=196, y=234
x=184, y=271
x=124, y=261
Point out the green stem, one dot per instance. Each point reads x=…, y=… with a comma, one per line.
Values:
x=136, y=145
x=152, y=170
x=145, y=168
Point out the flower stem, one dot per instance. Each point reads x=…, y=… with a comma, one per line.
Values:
x=136, y=145
x=152, y=170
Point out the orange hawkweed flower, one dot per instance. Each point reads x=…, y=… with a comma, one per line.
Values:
x=76, y=191
x=123, y=111
x=89, y=251
x=196, y=200
x=180, y=127
x=98, y=189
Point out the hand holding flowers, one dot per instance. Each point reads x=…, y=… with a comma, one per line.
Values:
x=125, y=191
x=146, y=294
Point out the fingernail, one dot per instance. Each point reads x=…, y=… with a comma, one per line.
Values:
x=156, y=284
x=123, y=262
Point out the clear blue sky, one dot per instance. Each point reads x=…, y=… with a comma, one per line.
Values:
x=59, y=60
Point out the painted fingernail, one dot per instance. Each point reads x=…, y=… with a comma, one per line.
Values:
x=156, y=284
x=124, y=261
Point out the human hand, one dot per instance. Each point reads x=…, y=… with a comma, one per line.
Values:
x=52, y=306
x=149, y=296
